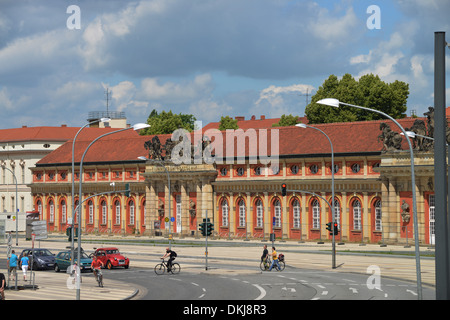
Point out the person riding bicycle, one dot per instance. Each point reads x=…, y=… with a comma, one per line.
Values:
x=96, y=265
x=172, y=257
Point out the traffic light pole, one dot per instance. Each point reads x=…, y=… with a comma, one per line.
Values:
x=206, y=252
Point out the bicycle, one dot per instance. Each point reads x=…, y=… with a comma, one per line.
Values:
x=265, y=265
x=99, y=277
x=160, y=268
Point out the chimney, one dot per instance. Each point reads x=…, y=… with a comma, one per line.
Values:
x=263, y=117
x=239, y=118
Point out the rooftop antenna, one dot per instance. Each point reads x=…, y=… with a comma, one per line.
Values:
x=107, y=92
x=307, y=94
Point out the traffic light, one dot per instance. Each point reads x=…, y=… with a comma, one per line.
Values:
x=335, y=228
x=127, y=188
x=203, y=228
x=329, y=227
x=209, y=228
x=283, y=189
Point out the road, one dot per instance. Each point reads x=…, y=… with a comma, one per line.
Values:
x=307, y=276
x=290, y=284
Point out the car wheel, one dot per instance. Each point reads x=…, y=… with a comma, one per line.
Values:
x=109, y=265
x=57, y=269
x=126, y=267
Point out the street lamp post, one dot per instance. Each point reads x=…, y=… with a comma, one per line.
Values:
x=17, y=209
x=73, y=182
x=302, y=125
x=170, y=193
x=335, y=103
x=138, y=126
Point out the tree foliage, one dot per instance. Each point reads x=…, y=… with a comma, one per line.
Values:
x=167, y=123
x=286, y=121
x=228, y=123
x=369, y=91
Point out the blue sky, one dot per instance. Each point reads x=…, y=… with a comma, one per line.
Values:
x=209, y=58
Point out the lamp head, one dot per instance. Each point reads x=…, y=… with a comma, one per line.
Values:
x=301, y=125
x=142, y=158
x=410, y=134
x=329, y=102
x=105, y=119
x=139, y=126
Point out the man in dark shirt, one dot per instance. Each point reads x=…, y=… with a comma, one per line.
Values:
x=172, y=255
x=265, y=254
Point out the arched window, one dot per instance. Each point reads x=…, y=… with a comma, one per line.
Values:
x=315, y=214
x=51, y=206
x=225, y=218
x=337, y=213
x=277, y=213
x=378, y=225
x=63, y=211
x=356, y=215
x=132, y=212
x=104, y=212
x=91, y=212
x=117, y=209
x=241, y=213
x=259, y=213
x=296, y=214
x=39, y=208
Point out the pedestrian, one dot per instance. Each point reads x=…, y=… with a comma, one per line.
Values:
x=274, y=259
x=264, y=256
x=24, y=264
x=12, y=265
x=2, y=286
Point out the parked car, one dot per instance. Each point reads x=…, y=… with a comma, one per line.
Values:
x=41, y=258
x=62, y=261
x=111, y=257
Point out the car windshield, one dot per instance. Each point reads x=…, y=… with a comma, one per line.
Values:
x=42, y=252
x=83, y=255
x=114, y=251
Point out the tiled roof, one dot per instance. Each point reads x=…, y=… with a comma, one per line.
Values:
x=62, y=133
x=253, y=123
x=347, y=138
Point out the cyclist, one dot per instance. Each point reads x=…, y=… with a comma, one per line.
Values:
x=172, y=255
x=96, y=265
x=265, y=255
x=274, y=259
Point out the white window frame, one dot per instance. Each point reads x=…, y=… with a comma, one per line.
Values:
x=357, y=215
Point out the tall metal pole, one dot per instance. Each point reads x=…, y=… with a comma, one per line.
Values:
x=80, y=209
x=335, y=103
x=333, y=217
x=440, y=171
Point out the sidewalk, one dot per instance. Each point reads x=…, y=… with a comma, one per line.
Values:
x=58, y=286
x=351, y=257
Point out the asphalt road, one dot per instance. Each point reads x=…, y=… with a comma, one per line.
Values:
x=290, y=284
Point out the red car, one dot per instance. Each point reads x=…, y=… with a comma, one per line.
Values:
x=111, y=257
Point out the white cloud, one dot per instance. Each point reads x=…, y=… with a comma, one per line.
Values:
x=171, y=92
x=331, y=28
x=273, y=93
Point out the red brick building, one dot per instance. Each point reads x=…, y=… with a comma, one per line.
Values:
x=241, y=194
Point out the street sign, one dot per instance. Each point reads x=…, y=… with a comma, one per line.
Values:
x=172, y=219
x=39, y=229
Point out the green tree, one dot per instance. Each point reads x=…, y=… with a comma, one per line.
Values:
x=369, y=91
x=286, y=121
x=167, y=122
x=228, y=123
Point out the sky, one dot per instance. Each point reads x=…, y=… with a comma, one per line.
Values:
x=209, y=58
